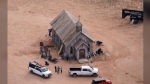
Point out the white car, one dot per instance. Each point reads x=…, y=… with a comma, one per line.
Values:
x=83, y=71
x=34, y=67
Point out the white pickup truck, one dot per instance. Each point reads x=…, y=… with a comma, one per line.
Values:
x=83, y=71
x=36, y=68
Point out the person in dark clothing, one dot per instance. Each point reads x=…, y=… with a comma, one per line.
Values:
x=50, y=58
x=50, y=30
x=41, y=51
x=58, y=69
x=46, y=63
x=61, y=69
x=67, y=58
x=55, y=69
x=41, y=55
x=49, y=33
x=49, y=52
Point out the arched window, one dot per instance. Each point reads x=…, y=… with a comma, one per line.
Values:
x=71, y=50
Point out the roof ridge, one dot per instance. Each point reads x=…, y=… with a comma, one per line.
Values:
x=84, y=31
x=65, y=26
x=58, y=16
x=71, y=17
x=79, y=43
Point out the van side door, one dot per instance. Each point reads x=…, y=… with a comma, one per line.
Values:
x=38, y=71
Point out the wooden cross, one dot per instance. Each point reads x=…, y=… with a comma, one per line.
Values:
x=79, y=17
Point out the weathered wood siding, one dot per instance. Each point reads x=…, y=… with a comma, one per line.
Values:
x=56, y=39
x=75, y=52
x=82, y=47
x=66, y=49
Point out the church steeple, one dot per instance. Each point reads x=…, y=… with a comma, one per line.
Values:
x=78, y=25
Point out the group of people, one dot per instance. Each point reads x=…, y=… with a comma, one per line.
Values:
x=44, y=52
x=58, y=69
x=64, y=56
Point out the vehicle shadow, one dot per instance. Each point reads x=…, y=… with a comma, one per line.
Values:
x=80, y=76
x=39, y=76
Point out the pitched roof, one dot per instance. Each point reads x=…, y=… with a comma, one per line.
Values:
x=65, y=27
x=79, y=43
x=79, y=23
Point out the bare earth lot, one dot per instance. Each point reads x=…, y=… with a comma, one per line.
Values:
x=28, y=21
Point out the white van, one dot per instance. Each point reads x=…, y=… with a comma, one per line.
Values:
x=34, y=67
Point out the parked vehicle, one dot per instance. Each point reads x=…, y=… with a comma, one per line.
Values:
x=101, y=81
x=83, y=71
x=135, y=15
x=36, y=68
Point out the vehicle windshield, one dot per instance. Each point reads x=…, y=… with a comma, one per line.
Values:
x=44, y=69
x=91, y=67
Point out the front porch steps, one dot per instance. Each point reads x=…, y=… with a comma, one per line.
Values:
x=81, y=61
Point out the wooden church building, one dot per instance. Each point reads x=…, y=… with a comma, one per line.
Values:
x=70, y=36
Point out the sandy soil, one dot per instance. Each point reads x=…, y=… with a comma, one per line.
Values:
x=28, y=21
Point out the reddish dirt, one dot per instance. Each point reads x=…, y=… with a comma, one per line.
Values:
x=28, y=23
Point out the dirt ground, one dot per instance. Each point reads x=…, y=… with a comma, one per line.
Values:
x=28, y=23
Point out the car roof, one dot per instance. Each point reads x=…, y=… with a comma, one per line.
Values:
x=98, y=79
x=85, y=66
x=36, y=64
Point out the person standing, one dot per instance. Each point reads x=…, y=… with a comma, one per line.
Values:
x=67, y=58
x=49, y=52
x=58, y=69
x=55, y=69
x=61, y=69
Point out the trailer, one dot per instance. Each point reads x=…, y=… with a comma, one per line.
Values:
x=135, y=15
